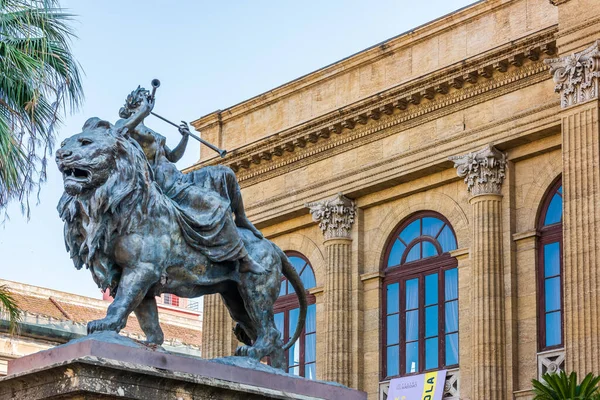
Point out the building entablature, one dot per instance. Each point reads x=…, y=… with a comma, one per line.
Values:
x=477, y=79
x=417, y=35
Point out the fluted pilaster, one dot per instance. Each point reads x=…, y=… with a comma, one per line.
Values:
x=217, y=335
x=489, y=380
x=338, y=283
x=581, y=236
x=484, y=173
x=336, y=217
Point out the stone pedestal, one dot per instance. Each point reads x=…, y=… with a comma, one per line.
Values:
x=111, y=367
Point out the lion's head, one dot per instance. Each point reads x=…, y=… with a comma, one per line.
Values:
x=108, y=186
x=87, y=159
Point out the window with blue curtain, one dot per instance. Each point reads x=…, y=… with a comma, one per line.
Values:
x=420, y=297
x=301, y=357
x=550, y=311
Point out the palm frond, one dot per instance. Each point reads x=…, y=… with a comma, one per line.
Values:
x=39, y=80
x=561, y=386
x=8, y=307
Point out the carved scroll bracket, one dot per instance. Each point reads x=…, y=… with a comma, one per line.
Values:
x=335, y=216
x=483, y=170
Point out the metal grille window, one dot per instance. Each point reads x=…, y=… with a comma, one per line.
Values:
x=421, y=298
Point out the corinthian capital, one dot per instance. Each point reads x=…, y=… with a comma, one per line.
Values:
x=335, y=216
x=483, y=170
x=576, y=76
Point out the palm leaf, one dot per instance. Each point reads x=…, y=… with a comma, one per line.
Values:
x=8, y=306
x=562, y=387
x=39, y=79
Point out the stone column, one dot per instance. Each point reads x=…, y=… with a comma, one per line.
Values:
x=576, y=78
x=484, y=173
x=218, y=339
x=336, y=217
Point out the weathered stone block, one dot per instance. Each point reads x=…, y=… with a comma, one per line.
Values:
x=112, y=367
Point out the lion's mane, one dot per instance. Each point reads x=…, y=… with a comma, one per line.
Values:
x=113, y=209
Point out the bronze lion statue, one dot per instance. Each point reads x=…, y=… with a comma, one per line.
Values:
x=133, y=239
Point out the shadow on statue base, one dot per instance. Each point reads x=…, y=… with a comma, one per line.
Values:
x=110, y=366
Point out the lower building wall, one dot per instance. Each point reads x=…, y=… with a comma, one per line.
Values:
x=533, y=173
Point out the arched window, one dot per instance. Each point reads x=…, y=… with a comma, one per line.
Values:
x=420, y=292
x=301, y=357
x=550, y=307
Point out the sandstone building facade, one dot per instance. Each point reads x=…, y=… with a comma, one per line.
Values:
x=442, y=192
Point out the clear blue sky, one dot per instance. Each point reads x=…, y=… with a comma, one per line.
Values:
x=208, y=55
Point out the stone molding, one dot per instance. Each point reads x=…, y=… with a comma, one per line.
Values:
x=402, y=103
x=380, y=131
x=483, y=170
x=391, y=162
x=372, y=275
x=530, y=234
x=557, y=2
x=462, y=253
x=317, y=290
x=576, y=76
x=335, y=216
x=367, y=56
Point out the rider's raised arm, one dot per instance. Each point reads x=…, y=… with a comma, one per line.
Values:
x=138, y=106
x=138, y=115
x=176, y=154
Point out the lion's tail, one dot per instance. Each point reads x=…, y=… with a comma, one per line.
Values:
x=290, y=273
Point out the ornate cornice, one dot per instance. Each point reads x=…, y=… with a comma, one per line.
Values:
x=365, y=57
x=455, y=87
x=335, y=216
x=483, y=170
x=576, y=76
x=391, y=162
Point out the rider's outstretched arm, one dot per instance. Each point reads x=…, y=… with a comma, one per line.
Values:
x=176, y=154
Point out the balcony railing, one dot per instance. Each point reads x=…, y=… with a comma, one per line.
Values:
x=552, y=361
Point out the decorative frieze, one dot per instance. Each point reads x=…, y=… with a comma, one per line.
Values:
x=335, y=216
x=576, y=75
x=405, y=101
x=483, y=170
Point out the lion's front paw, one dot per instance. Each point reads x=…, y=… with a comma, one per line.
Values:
x=105, y=324
x=246, y=351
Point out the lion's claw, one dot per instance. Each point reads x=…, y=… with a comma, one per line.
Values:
x=105, y=324
x=246, y=351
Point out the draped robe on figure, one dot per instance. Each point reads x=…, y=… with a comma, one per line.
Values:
x=203, y=198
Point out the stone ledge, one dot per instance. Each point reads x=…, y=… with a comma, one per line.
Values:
x=116, y=369
x=533, y=233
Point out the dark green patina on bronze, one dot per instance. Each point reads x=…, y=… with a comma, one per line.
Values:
x=143, y=228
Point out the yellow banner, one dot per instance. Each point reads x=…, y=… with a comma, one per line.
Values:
x=431, y=379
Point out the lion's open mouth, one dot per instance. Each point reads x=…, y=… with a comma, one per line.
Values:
x=76, y=174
